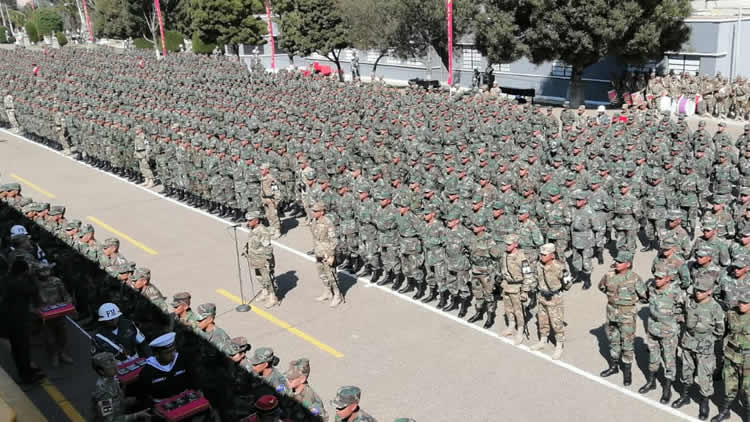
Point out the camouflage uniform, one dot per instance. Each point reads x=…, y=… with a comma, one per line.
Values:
x=483, y=254
x=736, y=356
x=584, y=228
x=552, y=280
x=325, y=239
x=517, y=282
x=271, y=195
x=260, y=258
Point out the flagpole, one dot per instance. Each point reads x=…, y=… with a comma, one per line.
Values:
x=449, y=18
x=270, y=35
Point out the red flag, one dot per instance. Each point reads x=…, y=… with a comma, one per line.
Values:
x=449, y=17
x=270, y=35
x=88, y=21
x=161, y=27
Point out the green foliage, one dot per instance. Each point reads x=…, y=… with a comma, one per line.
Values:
x=3, y=37
x=47, y=21
x=172, y=40
x=61, y=39
x=32, y=32
x=228, y=22
x=200, y=47
x=309, y=26
x=142, y=43
x=117, y=19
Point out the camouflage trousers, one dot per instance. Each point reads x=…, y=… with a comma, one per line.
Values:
x=736, y=371
x=327, y=273
x=625, y=240
x=651, y=228
x=561, y=246
x=693, y=213
x=710, y=103
x=456, y=283
x=620, y=329
x=263, y=273
x=145, y=168
x=663, y=351
x=699, y=368
x=513, y=309
x=369, y=252
x=12, y=119
x=411, y=266
x=271, y=208
x=581, y=260
x=62, y=139
x=389, y=257
x=349, y=244
x=550, y=313
x=482, y=287
x=435, y=274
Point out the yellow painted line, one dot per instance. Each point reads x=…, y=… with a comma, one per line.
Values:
x=62, y=402
x=272, y=319
x=44, y=192
x=120, y=234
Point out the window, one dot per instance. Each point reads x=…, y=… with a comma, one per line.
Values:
x=502, y=67
x=561, y=69
x=679, y=64
x=644, y=68
x=413, y=61
x=471, y=58
x=391, y=58
x=372, y=55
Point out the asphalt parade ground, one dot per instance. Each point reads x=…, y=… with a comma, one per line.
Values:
x=410, y=359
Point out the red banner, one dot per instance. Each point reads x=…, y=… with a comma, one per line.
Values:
x=449, y=17
x=88, y=20
x=161, y=27
x=270, y=35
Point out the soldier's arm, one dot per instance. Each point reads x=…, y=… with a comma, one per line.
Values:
x=731, y=228
x=724, y=258
x=685, y=279
x=719, y=322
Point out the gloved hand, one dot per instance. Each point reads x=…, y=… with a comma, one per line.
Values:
x=532, y=301
x=524, y=297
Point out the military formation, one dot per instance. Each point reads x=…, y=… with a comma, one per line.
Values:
x=461, y=200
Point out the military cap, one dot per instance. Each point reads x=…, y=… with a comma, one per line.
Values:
x=705, y=281
x=745, y=191
x=112, y=241
x=709, y=222
x=246, y=154
x=240, y=344
x=674, y=214
x=297, y=368
x=8, y=187
x=511, y=239
x=478, y=219
x=319, y=206
x=661, y=271
x=253, y=214
x=261, y=355
x=580, y=195
x=127, y=267
x=56, y=210
x=595, y=179
x=72, y=224
x=498, y=205
x=571, y=175
x=404, y=420
x=308, y=173
x=142, y=273
x=180, y=298
x=553, y=190
x=547, y=249
x=745, y=231
x=702, y=123
x=88, y=228
x=624, y=256
x=345, y=396
x=205, y=310
x=722, y=124
x=741, y=261
x=36, y=207
x=524, y=209
x=266, y=403
x=743, y=294
x=265, y=166
x=704, y=250
x=747, y=126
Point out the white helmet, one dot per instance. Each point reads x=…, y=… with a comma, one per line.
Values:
x=108, y=312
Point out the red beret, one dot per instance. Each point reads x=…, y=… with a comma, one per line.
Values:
x=266, y=403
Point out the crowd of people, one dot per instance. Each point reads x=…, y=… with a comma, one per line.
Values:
x=462, y=199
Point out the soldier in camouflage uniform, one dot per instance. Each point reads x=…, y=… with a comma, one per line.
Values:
x=457, y=264
x=61, y=130
x=552, y=279
x=627, y=213
x=264, y=362
x=736, y=356
x=271, y=195
x=410, y=247
x=325, y=239
x=584, y=228
x=621, y=286
x=347, y=405
x=10, y=111
x=108, y=400
x=207, y=328
x=260, y=258
x=484, y=252
x=517, y=281
x=296, y=377
x=557, y=219
x=143, y=155
x=718, y=247
x=432, y=233
x=665, y=304
x=704, y=325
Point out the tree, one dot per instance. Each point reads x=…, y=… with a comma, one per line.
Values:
x=116, y=19
x=228, y=21
x=47, y=21
x=581, y=32
x=372, y=24
x=313, y=26
x=32, y=32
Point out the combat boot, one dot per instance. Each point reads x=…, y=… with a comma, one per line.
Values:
x=666, y=391
x=613, y=369
x=586, y=277
x=541, y=344
x=723, y=412
x=337, y=298
x=263, y=295
x=558, y=350
x=410, y=285
x=356, y=264
x=684, y=397
x=600, y=255
x=345, y=264
x=385, y=280
x=453, y=304
x=239, y=216
x=420, y=290
x=464, y=307
x=431, y=295
x=327, y=295
x=443, y=299
x=490, y=320
x=703, y=408
x=376, y=275
x=518, y=338
x=650, y=383
x=398, y=281
x=479, y=314
x=364, y=270
x=627, y=374
x=272, y=300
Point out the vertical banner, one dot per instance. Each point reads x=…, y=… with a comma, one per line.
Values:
x=88, y=21
x=157, y=7
x=449, y=17
x=270, y=35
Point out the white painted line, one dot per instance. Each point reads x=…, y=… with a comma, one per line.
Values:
x=367, y=284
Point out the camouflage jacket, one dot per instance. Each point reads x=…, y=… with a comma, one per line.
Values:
x=704, y=324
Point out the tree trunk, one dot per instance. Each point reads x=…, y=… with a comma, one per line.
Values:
x=576, y=92
x=375, y=65
x=335, y=59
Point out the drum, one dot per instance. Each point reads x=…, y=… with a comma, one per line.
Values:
x=128, y=371
x=56, y=310
x=182, y=406
x=612, y=95
x=686, y=106
x=665, y=104
x=637, y=98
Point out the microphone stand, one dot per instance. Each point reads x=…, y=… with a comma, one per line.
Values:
x=243, y=307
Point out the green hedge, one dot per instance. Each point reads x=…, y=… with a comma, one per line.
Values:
x=3, y=37
x=47, y=21
x=173, y=40
x=143, y=43
x=32, y=32
x=200, y=47
x=61, y=39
